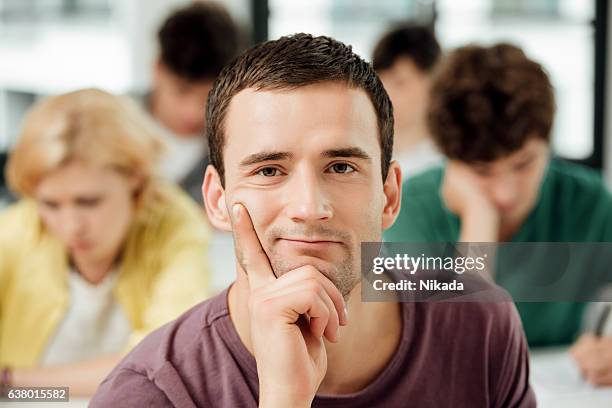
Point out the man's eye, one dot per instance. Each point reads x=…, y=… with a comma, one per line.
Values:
x=269, y=172
x=342, y=168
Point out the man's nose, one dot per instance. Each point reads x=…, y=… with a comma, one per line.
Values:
x=307, y=199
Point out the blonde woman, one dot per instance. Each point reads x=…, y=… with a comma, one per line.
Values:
x=98, y=252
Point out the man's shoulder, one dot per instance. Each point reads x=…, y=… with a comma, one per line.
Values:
x=481, y=337
x=488, y=312
x=151, y=370
x=500, y=316
x=177, y=340
x=488, y=333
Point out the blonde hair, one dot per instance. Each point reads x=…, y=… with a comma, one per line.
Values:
x=89, y=125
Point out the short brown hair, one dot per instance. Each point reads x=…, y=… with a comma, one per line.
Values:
x=486, y=102
x=292, y=62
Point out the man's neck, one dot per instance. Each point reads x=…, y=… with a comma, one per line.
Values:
x=352, y=363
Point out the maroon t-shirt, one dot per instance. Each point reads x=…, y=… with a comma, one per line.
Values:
x=450, y=355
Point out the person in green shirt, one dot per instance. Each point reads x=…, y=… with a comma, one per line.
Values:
x=491, y=112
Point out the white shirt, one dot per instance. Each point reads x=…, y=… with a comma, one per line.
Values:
x=182, y=155
x=94, y=324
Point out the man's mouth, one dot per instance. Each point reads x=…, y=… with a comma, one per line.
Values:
x=309, y=240
x=308, y=243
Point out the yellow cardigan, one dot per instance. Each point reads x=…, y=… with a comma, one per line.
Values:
x=163, y=271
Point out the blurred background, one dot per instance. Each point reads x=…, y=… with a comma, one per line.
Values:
x=49, y=47
x=54, y=46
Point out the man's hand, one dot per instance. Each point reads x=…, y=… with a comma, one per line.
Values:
x=460, y=190
x=464, y=197
x=593, y=356
x=289, y=318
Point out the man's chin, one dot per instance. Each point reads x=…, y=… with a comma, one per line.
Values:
x=341, y=274
x=283, y=266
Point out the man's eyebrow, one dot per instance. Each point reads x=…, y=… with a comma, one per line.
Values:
x=355, y=152
x=264, y=156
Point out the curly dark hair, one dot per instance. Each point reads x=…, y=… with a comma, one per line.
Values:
x=486, y=102
x=196, y=41
x=292, y=62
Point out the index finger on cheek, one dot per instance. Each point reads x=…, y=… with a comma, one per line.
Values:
x=249, y=251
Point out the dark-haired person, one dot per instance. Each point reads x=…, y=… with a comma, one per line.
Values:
x=491, y=114
x=195, y=42
x=300, y=192
x=404, y=59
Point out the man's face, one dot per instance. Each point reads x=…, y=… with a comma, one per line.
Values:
x=179, y=104
x=512, y=183
x=408, y=89
x=306, y=164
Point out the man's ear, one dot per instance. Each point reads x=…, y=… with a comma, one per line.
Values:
x=392, y=189
x=214, y=200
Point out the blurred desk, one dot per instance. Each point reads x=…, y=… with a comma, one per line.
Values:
x=558, y=384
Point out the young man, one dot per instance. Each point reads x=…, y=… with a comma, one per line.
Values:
x=491, y=114
x=404, y=59
x=300, y=134
x=195, y=42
